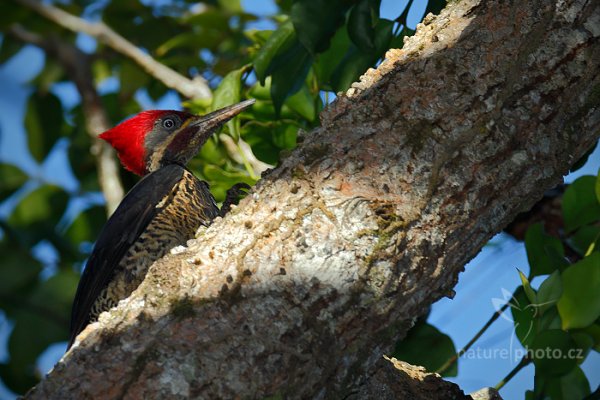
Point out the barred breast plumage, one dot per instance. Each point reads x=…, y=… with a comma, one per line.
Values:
x=181, y=212
x=170, y=220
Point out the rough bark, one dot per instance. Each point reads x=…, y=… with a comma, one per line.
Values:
x=394, y=379
x=304, y=286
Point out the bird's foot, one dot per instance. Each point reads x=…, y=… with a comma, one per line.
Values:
x=232, y=196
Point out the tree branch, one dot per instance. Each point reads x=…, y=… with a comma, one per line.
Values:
x=191, y=88
x=525, y=361
x=301, y=289
x=394, y=379
x=78, y=66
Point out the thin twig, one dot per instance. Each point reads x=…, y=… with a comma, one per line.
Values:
x=462, y=351
x=191, y=88
x=79, y=68
x=522, y=364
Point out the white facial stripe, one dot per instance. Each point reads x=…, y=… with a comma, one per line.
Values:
x=158, y=154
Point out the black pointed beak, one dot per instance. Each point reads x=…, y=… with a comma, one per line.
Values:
x=210, y=122
x=187, y=141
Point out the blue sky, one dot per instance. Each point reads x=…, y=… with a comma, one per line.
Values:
x=484, y=279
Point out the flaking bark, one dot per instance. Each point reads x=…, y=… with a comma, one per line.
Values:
x=300, y=290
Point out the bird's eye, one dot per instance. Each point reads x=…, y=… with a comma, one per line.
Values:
x=168, y=123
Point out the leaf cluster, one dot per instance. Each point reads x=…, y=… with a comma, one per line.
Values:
x=559, y=323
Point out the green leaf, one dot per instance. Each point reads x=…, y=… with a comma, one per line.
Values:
x=15, y=379
x=315, y=22
x=41, y=322
x=585, y=239
x=18, y=271
x=83, y=163
x=361, y=24
x=435, y=6
x=594, y=332
x=525, y=317
x=87, y=225
x=268, y=137
x=545, y=253
x=11, y=13
x=572, y=386
x=230, y=178
x=61, y=288
x=227, y=93
x=529, y=395
x=290, y=70
x=211, y=153
x=131, y=79
x=263, y=111
x=8, y=49
x=43, y=122
x=232, y=6
x=258, y=37
x=11, y=179
x=549, y=319
x=529, y=292
x=39, y=212
x=261, y=91
x=280, y=40
x=285, y=5
x=138, y=23
x=583, y=160
x=101, y=70
x=327, y=62
x=579, y=305
x=210, y=19
x=580, y=204
x=284, y=136
x=190, y=40
x=119, y=110
x=549, y=292
x=198, y=106
x=425, y=345
x=397, y=41
x=303, y=103
x=355, y=63
x=585, y=342
x=553, y=352
x=50, y=74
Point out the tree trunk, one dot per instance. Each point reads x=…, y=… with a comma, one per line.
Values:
x=300, y=290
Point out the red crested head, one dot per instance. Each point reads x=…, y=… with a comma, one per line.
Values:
x=153, y=139
x=129, y=138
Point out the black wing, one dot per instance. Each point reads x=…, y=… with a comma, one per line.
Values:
x=121, y=231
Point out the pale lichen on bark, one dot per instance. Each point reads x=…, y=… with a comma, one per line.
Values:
x=301, y=289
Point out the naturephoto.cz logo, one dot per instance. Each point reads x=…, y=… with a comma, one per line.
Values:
x=516, y=351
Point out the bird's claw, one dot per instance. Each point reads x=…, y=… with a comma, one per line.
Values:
x=232, y=196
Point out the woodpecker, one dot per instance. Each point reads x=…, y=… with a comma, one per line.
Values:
x=163, y=210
